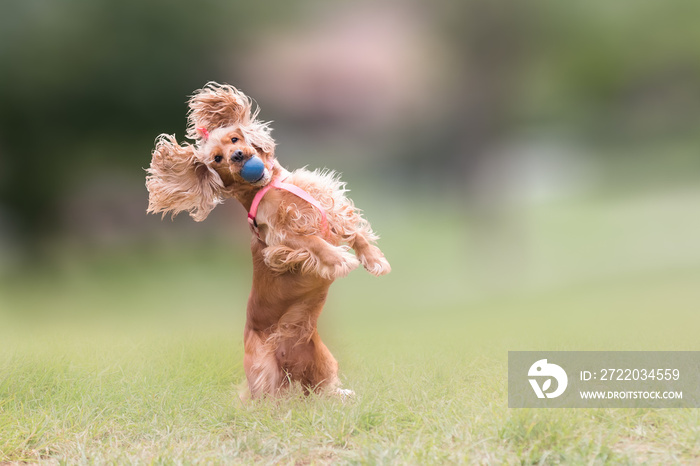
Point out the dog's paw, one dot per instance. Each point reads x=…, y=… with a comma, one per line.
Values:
x=344, y=394
x=379, y=267
x=282, y=259
x=375, y=262
x=337, y=264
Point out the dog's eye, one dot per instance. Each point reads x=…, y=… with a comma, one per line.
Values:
x=234, y=140
x=218, y=158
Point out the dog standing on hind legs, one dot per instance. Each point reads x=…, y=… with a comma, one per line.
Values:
x=303, y=229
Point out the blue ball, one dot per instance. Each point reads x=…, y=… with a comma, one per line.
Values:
x=253, y=170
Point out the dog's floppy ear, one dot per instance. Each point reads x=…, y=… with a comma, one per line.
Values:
x=216, y=106
x=257, y=133
x=177, y=181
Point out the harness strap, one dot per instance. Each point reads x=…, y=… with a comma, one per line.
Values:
x=296, y=190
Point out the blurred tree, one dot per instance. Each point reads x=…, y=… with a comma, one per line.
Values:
x=81, y=77
x=590, y=69
x=85, y=85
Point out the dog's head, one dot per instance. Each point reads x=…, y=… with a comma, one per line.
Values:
x=233, y=151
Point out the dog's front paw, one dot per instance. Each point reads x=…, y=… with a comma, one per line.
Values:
x=282, y=259
x=337, y=263
x=378, y=268
x=375, y=262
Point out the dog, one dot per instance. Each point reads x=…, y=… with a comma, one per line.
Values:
x=304, y=227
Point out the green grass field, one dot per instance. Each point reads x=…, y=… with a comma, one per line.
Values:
x=136, y=357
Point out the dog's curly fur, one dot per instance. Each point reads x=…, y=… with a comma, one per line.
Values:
x=295, y=259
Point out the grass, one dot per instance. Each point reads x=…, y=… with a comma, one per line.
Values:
x=136, y=358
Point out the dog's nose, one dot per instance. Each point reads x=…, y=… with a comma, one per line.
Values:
x=237, y=156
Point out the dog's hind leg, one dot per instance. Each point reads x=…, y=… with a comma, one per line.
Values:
x=261, y=367
x=323, y=374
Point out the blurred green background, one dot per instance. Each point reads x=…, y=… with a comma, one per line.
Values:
x=509, y=153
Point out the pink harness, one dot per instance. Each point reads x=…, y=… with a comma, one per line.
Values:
x=297, y=191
